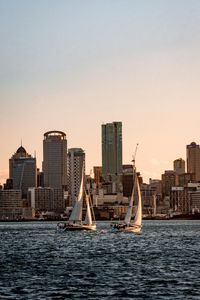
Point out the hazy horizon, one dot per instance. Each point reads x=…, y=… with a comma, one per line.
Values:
x=73, y=65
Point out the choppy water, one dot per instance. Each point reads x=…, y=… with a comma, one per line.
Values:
x=39, y=263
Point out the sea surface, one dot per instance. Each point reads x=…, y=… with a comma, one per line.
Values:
x=38, y=262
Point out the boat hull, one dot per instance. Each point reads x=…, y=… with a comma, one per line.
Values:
x=133, y=229
x=124, y=228
x=77, y=227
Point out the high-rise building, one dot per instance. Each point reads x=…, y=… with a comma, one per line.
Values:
x=76, y=162
x=127, y=180
x=179, y=169
x=112, y=154
x=55, y=159
x=23, y=171
x=97, y=175
x=179, y=166
x=193, y=160
x=168, y=181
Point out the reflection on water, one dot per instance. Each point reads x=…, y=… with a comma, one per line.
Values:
x=37, y=262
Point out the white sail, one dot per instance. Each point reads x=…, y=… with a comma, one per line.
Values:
x=76, y=214
x=128, y=216
x=88, y=216
x=138, y=217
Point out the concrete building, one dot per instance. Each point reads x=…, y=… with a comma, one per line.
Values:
x=23, y=171
x=195, y=202
x=76, y=162
x=179, y=166
x=97, y=176
x=55, y=160
x=10, y=204
x=168, y=180
x=193, y=160
x=179, y=200
x=112, y=155
x=46, y=200
x=184, y=179
x=127, y=180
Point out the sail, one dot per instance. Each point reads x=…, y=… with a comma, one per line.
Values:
x=138, y=217
x=88, y=216
x=76, y=214
x=128, y=216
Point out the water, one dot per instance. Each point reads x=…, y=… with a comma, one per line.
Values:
x=37, y=262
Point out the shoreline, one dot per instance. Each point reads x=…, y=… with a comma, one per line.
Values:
x=149, y=218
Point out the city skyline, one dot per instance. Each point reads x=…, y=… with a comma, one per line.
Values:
x=74, y=65
x=88, y=170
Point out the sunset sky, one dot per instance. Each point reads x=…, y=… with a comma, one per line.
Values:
x=72, y=65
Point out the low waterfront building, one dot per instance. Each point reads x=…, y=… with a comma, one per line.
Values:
x=11, y=205
x=46, y=199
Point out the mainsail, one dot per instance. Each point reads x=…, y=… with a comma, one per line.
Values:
x=138, y=217
x=128, y=216
x=76, y=214
x=88, y=216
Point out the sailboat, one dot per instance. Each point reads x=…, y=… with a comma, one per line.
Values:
x=75, y=219
x=135, y=225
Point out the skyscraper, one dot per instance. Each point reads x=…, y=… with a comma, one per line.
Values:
x=179, y=166
x=97, y=175
x=193, y=160
x=112, y=154
x=76, y=162
x=22, y=171
x=55, y=159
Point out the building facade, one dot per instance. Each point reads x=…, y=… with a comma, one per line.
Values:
x=193, y=160
x=112, y=154
x=23, y=171
x=97, y=176
x=168, y=181
x=76, y=163
x=179, y=166
x=10, y=204
x=46, y=200
x=55, y=159
x=127, y=180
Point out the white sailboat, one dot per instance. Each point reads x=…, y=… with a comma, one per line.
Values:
x=135, y=225
x=75, y=219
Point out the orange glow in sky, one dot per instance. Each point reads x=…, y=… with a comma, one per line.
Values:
x=73, y=65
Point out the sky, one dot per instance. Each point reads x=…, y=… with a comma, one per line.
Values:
x=73, y=65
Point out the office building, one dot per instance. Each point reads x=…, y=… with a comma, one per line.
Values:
x=127, y=180
x=10, y=204
x=22, y=171
x=112, y=155
x=168, y=181
x=179, y=169
x=76, y=162
x=55, y=159
x=193, y=160
x=97, y=175
x=46, y=200
x=179, y=166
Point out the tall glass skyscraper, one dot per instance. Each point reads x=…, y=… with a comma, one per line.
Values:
x=55, y=159
x=22, y=171
x=112, y=154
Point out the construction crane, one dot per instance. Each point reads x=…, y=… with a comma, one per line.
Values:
x=133, y=160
